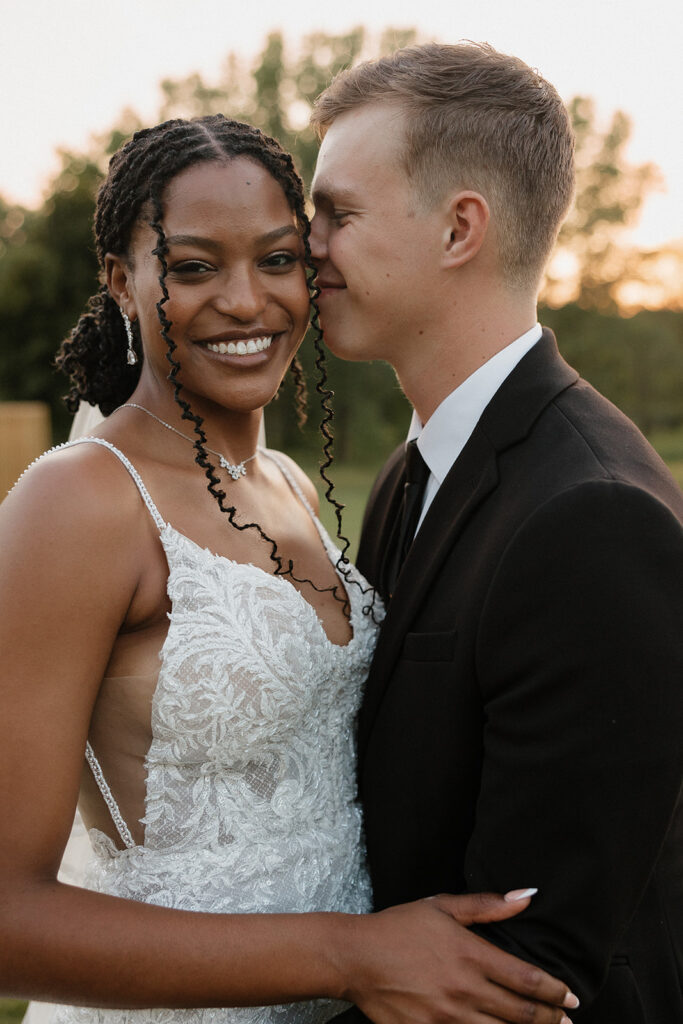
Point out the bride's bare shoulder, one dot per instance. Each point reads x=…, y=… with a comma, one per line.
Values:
x=75, y=491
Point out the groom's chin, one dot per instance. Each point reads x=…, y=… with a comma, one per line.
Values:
x=344, y=344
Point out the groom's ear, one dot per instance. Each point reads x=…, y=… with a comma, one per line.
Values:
x=118, y=278
x=465, y=228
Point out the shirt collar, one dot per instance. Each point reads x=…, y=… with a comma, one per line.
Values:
x=451, y=424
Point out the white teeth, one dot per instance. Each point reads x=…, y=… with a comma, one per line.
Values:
x=240, y=348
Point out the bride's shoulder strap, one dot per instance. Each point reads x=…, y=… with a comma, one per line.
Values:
x=144, y=493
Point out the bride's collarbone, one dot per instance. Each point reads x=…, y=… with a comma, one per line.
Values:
x=251, y=509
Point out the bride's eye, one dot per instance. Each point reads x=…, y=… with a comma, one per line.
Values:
x=191, y=267
x=280, y=260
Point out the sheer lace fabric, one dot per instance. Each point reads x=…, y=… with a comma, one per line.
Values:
x=250, y=776
x=120, y=735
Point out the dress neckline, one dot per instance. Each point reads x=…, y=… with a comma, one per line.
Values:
x=279, y=579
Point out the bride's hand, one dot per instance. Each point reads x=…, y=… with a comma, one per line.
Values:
x=418, y=964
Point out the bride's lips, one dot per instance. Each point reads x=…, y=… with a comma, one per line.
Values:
x=239, y=346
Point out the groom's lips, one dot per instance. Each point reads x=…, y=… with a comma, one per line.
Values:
x=326, y=286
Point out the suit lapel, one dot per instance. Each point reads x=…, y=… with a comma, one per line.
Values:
x=537, y=379
x=470, y=480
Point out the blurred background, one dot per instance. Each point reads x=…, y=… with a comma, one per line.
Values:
x=79, y=77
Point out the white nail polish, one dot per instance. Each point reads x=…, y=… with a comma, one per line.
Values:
x=519, y=894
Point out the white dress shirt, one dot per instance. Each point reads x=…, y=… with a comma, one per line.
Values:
x=451, y=424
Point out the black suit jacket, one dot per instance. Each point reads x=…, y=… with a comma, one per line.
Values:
x=523, y=718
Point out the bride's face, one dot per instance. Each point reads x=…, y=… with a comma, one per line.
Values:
x=239, y=302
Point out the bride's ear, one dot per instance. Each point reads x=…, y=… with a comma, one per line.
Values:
x=118, y=282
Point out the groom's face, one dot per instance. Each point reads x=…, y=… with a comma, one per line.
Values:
x=375, y=249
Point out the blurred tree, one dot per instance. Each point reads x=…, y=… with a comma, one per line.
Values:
x=273, y=93
x=589, y=261
x=47, y=273
x=636, y=362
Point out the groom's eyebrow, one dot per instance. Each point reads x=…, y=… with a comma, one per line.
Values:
x=323, y=193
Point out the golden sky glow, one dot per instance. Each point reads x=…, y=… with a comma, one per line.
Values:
x=69, y=67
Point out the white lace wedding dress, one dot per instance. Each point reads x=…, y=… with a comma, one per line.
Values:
x=250, y=777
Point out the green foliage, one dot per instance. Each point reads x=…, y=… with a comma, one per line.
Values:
x=47, y=273
x=637, y=363
x=48, y=268
x=273, y=93
x=12, y=1010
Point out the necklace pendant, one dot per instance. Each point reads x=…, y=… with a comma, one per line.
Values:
x=235, y=471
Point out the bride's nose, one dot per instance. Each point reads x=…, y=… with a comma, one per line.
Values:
x=242, y=296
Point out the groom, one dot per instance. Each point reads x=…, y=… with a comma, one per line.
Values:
x=523, y=719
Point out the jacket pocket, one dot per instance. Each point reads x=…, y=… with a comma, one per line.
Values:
x=429, y=646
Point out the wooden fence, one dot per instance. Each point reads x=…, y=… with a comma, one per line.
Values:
x=24, y=434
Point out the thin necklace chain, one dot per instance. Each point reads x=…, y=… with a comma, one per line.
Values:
x=236, y=470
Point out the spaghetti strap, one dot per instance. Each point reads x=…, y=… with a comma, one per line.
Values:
x=144, y=493
x=108, y=798
x=289, y=477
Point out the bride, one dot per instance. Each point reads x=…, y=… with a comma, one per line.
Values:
x=205, y=651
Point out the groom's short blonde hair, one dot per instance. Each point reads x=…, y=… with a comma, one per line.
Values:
x=475, y=119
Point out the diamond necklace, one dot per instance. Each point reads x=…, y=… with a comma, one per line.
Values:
x=236, y=470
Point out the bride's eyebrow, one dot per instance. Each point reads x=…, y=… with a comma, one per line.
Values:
x=198, y=240
x=211, y=243
x=276, y=233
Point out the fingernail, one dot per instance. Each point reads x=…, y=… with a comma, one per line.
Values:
x=519, y=894
x=565, y=1020
x=571, y=1001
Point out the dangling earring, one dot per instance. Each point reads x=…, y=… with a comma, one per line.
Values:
x=131, y=354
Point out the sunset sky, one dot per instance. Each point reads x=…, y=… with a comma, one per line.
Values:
x=69, y=67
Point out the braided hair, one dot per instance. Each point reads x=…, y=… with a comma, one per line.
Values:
x=93, y=356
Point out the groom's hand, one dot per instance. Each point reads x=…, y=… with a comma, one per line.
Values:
x=418, y=963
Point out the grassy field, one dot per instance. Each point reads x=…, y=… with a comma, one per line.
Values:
x=11, y=1010
x=670, y=447
x=352, y=487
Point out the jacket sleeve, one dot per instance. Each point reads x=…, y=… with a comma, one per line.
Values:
x=580, y=663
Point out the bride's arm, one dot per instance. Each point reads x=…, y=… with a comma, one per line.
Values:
x=70, y=569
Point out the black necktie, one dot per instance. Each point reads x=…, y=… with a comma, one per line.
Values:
x=417, y=475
